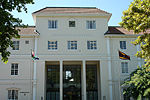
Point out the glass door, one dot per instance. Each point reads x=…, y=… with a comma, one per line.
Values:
x=72, y=82
x=52, y=82
x=91, y=82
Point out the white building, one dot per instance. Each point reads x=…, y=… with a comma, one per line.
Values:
x=78, y=57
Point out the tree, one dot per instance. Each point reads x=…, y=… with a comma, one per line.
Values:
x=137, y=18
x=9, y=24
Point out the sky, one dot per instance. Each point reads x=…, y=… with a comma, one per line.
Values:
x=116, y=7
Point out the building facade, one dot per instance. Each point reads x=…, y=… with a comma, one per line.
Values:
x=78, y=57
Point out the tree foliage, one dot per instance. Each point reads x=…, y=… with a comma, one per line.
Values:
x=8, y=24
x=137, y=18
x=138, y=84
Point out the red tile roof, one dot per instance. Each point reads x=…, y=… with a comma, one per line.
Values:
x=71, y=10
x=111, y=30
x=120, y=30
x=28, y=30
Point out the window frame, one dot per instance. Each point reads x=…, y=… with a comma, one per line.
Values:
x=13, y=94
x=52, y=45
x=91, y=24
x=123, y=45
x=16, y=45
x=92, y=45
x=124, y=67
x=72, y=45
x=52, y=24
x=14, y=69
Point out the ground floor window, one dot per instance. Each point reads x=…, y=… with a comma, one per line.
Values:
x=12, y=94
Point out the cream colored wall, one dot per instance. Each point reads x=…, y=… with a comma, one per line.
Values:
x=117, y=75
x=24, y=49
x=22, y=81
x=64, y=33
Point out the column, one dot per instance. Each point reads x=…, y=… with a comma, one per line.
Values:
x=61, y=80
x=84, y=79
x=109, y=69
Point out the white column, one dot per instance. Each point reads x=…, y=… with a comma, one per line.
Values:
x=139, y=59
x=34, y=71
x=61, y=80
x=109, y=69
x=84, y=79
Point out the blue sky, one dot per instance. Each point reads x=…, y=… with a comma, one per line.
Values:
x=116, y=7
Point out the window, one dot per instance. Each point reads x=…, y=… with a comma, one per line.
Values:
x=15, y=45
x=27, y=42
x=91, y=45
x=124, y=66
x=14, y=69
x=122, y=44
x=68, y=74
x=72, y=45
x=52, y=45
x=52, y=24
x=91, y=24
x=12, y=94
x=71, y=23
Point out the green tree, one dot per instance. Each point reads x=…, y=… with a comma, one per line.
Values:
x=137, y=18
x=8, y=24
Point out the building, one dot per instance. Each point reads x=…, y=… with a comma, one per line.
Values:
x=78, y=57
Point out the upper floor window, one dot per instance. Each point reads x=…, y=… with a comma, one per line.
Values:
x=52, y=24
x=91, y=24
x=14, y=69
x=52, y=45
x=91, y=45
x=12, y=94
x=15, y=45
x=124, y=67
x=122, y=44
x=72, y=24
x=72, y=45
x=27, y=42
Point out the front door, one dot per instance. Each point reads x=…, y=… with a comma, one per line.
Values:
x=72, y=82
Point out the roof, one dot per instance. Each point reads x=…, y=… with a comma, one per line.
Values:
x=116, y=30
x=120, y=30
x=70, y=10
x=29, y=30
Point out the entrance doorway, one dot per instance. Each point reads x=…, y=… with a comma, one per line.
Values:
x=52, y=82
x=72, y=82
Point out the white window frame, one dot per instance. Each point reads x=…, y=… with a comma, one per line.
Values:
x=15, y=45
x=13, y=94
x=92, y=45
x=91, y=24
x=52, y=45
x=52, y=24
x=124, y=67
x=123, y=45
x=14, y=69
x=72, y=45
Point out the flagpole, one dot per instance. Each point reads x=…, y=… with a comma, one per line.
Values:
x=119, y=84
x=34, y=71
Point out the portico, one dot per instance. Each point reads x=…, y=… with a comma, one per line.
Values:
x=72, y=80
